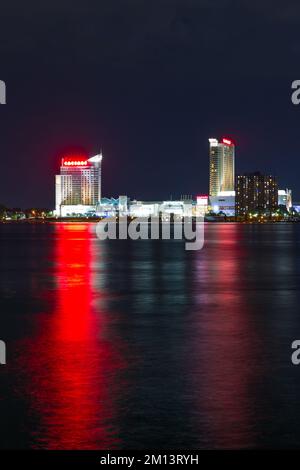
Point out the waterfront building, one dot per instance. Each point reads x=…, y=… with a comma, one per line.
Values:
x=221, y=166
x=78, y=186
x=144, y=209
x=285, y=198
x=256, y=192
x=123, y=206
x=201, y=205
x=224, y=202
x=182, y=208
x=107, y=207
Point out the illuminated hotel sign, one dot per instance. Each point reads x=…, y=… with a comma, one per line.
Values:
x=74, y=161
x=227, y=141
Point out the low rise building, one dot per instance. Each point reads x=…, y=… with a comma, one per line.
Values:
x=223, y=203
x=285, y=198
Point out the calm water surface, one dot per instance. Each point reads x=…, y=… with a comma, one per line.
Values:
x=141, y=344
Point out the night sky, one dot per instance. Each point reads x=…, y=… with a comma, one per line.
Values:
x=148, y=81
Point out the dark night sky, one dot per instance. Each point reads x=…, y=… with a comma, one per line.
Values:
x=149, y=81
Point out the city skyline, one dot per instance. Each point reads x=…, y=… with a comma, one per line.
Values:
x=225, y=143
x=152, y=106
x=78, y=191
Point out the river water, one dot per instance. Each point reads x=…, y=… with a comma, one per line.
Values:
x=142, y=344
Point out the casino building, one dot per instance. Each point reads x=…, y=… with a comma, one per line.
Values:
x=221, y=166
x=78, y=186
x=222, y=176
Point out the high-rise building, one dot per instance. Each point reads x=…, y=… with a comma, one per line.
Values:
x=78, y=186
x=221, y=166
x=255, y=192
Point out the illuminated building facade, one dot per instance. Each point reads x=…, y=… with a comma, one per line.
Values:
x=285, y=198
x=123, y=206
x=223, y=203
x=201, y=205
x=160, y=208
x=78, y=186
x=256, y=192
x=221, y=166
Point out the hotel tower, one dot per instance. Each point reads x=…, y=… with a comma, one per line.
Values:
x=78, y=186
x=221, y=167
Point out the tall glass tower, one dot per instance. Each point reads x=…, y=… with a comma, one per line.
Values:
x=221, y=166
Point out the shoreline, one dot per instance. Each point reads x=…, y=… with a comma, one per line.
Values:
x=95, y=220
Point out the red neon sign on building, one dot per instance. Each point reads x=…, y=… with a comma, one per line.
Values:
x=79, y=160
x=227, y=141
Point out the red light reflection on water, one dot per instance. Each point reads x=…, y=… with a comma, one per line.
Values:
x=74, y=369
